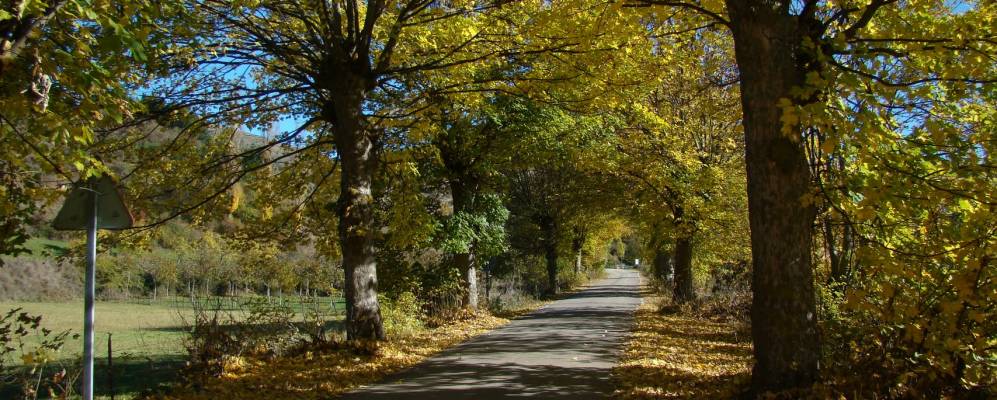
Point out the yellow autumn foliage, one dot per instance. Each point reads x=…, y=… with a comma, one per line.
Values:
x=326, y=373
x=682, y=357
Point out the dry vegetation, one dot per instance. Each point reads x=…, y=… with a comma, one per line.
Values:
x=680, y=355
x=335, y=369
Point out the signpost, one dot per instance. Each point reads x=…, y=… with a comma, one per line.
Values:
x=91, y=205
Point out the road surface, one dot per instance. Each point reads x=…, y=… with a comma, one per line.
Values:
x=562, y=351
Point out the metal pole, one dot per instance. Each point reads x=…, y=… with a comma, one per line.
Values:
x=88, y=300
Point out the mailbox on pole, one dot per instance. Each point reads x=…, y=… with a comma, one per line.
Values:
x=92, y=204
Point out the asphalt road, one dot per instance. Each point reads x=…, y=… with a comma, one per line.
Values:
x=562, y=351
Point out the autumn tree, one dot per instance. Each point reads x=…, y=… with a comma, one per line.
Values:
x=556, y=194
x=472, y=146
x=66, y=73
x=340, y=68
x=792, y=57
x=680, y=147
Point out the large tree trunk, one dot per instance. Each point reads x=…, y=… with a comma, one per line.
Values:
x=783, y=313
x=663, y=265
x=576, y=246
x=462, y=194
x=550, y=252
x=683, y=291
x=488, y=283
x=469, y=277
x=358, y=158
x=549, y=231
x=838, y=253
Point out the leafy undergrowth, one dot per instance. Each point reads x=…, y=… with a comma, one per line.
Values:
x=683, y=356
x=340, y=367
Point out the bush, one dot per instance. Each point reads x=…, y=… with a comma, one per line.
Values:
x=219, y=340
x=41, y=372
x=402, y=315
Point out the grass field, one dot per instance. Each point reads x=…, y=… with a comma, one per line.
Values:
x=147, y=338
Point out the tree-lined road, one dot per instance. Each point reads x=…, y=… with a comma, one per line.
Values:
x=564, y=350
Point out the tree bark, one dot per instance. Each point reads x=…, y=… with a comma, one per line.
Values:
x=838, y=253
x=576, y=246
x=663, y=265
x=463, y=194
x=469, y=276
x=768, y=49
x=684, y=290
x=549, y=229
x=488, y=282
x=357, y=152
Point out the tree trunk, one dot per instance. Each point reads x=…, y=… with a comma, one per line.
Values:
x=357, y=152
x=576, y=246
x=488, y=282
x=683, y=291
x=469, y=275
x=551, y=256
x=462, y=194
x=663, y=266
x=783, y=314
x=549, y=229
x=838, y=253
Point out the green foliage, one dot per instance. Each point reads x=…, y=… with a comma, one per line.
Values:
x=482, y=228
x=403, y=314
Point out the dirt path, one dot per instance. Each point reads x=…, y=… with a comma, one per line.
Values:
x=562, y=351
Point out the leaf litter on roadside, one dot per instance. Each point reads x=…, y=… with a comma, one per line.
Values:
x=680, y=356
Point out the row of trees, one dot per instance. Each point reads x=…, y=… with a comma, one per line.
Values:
x=204, y=263
x=416, y=124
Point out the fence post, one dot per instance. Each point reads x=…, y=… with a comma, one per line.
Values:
x=110, y=367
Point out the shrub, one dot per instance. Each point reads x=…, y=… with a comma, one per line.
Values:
x=41, y=372
x=402, y=315
x=219, y=340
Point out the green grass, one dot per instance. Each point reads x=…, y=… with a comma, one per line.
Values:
x=147, y=337
x=139, y=329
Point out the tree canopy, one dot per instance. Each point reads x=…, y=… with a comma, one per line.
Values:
x=835, y=157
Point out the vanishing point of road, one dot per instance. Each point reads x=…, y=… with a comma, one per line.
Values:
x=564, y=350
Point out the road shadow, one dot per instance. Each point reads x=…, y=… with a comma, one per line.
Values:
x=565, y=350
x=495, y=381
